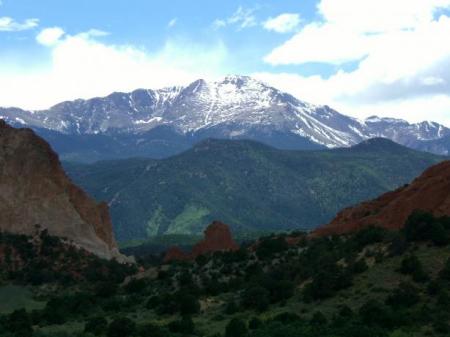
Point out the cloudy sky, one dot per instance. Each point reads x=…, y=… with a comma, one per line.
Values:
x=362, y=57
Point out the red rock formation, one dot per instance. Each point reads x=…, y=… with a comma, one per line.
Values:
x=176, y=254
x=217, y=238
x=35, y=190
x=429, y=192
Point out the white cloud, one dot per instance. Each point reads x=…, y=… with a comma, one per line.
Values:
x=80, y=66
x=8, y=24
x=50, y=36
x=172, y=23
x=317, y=90
x=399, y=53
x=283, y=23
x=242, y=18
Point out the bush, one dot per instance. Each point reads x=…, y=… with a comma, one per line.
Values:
x=417, y=226
x=96, y=326
x=150, y=330
x=255, y=323
x=411, y=265
x=369, y=236
x=286, y=317
x=152, y=302
x=236, y=328
x=375, y=313
x=398, y=245
x=360, y=266
x=325, y=284
x=280, y=290
x=318, y=319
x=423, y=226
x=19, y=324
x=189, y=304
x=136, y=286
x=269, y=247
x=185, y=326
x=231, y=308
x=445, y=273
x=121, y=327
x=256, y=298
x=105, y=289
x=406, y=295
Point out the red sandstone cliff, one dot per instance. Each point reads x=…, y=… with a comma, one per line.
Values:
x=217, y=238
x=429, y=192
x=35, y=190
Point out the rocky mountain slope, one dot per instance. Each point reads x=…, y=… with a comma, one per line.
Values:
x=246, y=184
x=430, y=192
x=35, y=191
x=159, y=123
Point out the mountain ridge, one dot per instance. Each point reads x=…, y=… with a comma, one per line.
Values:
x=249, y=185
x=235, y=107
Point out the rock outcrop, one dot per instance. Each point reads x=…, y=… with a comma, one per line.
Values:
x=34, y=190
x=217, y=238
x=429, y=192
x=176, y=254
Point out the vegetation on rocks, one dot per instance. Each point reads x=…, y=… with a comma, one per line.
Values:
x=372, y=283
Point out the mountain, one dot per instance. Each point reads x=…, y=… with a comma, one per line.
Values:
x=429, y=192
x=441, y=145
x=35, y=192
x=160, y=123
x=248, y=185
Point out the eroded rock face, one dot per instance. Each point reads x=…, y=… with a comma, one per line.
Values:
x=34, y=190
x=429, y=192
x=217, y=238
x=176, y=254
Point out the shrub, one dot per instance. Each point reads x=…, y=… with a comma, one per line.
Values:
x=188, y=304
x=325, y=284
x=255, y=323
x=256, y=298
x=423, y=226
x=96, y=326
x=105, y=289
x=269, y=247
x=318, y=319
x=184, y=326
x=411, y=265
x=150, y=330
x=368, y=236
x=406, y=295
x=121, y=327
x=236, y=328
x=231, y=308
x=375, y=313
x=280, y=290
x=136, y=286
x=19, y=324
x=360, y=266
x=286, y=317
x=445, y=273
x=417, y=226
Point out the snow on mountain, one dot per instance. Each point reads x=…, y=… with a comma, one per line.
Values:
x=234, y=106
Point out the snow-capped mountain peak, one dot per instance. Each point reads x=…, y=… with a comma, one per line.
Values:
x=229, y=107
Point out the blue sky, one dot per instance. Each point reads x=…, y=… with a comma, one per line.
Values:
x=362, y=57
x=146, y=24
